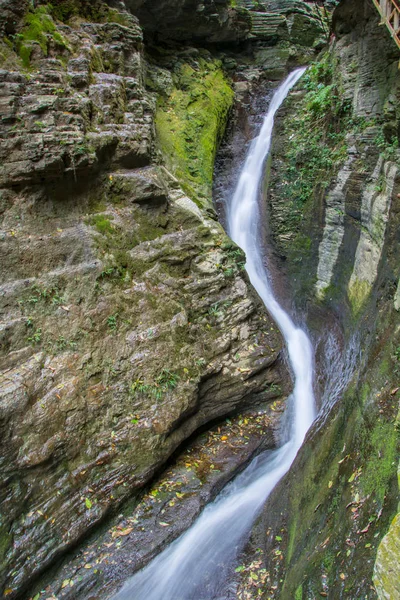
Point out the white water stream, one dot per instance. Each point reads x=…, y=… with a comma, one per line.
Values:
x=195, y=565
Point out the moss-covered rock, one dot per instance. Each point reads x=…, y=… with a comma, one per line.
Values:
x=127, y=319
x=190, y=122
x=387, y=564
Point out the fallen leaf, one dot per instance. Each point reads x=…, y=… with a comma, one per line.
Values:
x=164, y=524
x=88, y=566
x=330, y=484
x=65, y=583
x=342, y=576
x=88, y=503
x=122, y=532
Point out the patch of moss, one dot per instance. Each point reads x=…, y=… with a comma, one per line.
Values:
x=8, y=58
x=95, y=11
x=381, y=454
x=92, y=10
x=298, y=595
x=191, y=121
x=358, y=295
x=101, y=223
x=38, y=27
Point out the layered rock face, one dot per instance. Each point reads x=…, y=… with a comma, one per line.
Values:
x=334, y=217
x=127, y=319
x=222, y=21
x=349, y=105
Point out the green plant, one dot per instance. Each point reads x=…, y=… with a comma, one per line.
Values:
x=274, y=388
x=46, y=295
x=36, y=337
x=388, y=148
x=214, y=310
x=81, y=149
x=62, y=344
x=112, y=322
x=164, y=382
x=101, y=223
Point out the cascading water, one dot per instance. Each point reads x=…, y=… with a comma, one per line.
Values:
x=195, y=565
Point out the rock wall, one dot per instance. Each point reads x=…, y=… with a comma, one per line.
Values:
x=333, y=210
x=127, y=319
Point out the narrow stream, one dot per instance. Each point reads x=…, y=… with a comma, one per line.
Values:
x=194, y=567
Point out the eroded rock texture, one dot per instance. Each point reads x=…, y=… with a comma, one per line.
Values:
x=334, y=217
x=127, y=319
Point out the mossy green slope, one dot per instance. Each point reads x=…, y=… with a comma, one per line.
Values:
x=190, y=123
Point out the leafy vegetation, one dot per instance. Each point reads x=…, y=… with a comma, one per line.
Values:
x=388, y=148
x=318, y=145
x=163, y=383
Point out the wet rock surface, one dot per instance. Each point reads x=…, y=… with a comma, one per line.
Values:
x=322, y=526
x=127, y=319
x=194, y=478
x=128, y=323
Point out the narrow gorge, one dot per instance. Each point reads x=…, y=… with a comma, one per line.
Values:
x=142, y=377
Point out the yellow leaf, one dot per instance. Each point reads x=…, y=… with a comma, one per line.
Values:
x=224, y=437
x=65, y=583
x=122, y=532
x=330, y=484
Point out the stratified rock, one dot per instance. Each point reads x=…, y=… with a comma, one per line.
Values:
x=225, y=21
x=127, y=320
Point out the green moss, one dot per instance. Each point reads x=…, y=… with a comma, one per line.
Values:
x=358, y=294
x=101, y=223
x=299, y=593
x=191, y=121
x=95, y=11
x=380, y=461
x=39, y=28
x=8, y=58
x=315, y=147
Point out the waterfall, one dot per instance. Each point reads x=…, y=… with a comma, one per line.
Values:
x=195, y=565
